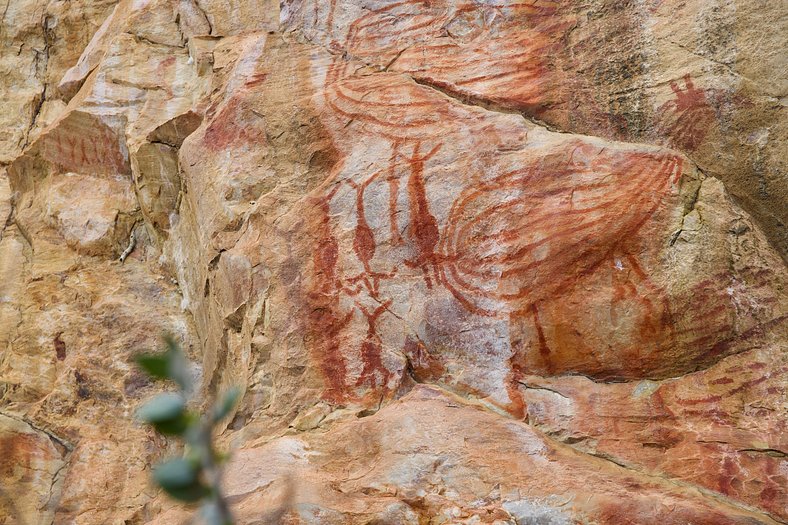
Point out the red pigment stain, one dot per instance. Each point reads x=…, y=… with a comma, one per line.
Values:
x=686, y=119
x=256, y=79
x=18, y=452
x=727, y=476
x=78, y=149
x=423, y=228
x=371, y=351
x=230, y=127
x=424, y=365
x=60, y=347
x=364, y=239
x=577, y=241
x=325, y=320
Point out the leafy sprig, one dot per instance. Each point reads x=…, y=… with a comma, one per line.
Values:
x=195, y=477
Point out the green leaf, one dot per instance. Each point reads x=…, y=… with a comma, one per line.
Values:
x=167, y=413
x=174, y=427
x=176, y=473
x=178, y=365
x=164, y=407
x=156, y=365
x=171, y=364
x=223, y=408
x=180, y=479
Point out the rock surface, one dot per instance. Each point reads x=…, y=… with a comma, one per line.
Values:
x=494, y=262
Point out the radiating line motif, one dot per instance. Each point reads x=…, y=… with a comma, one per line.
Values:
x=527, y=235
x=500, y=49
x=686, y=119
x=506, y=244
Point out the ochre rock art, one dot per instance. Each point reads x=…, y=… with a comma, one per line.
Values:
x=544, y=59
x=506, y=247
x=686, y=118
x=471, y=262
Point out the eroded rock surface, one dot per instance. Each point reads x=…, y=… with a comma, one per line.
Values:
x=470, y=262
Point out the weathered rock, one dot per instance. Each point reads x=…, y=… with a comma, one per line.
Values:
x=714, y=428
x=31, y=463
x=40, y=40
x=689, y=74
x=66, y=368
x=430, y=457
x=470, y=262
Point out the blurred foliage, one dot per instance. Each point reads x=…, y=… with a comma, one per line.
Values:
x=195, y=477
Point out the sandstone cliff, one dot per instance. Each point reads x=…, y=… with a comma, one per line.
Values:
x=471, y=262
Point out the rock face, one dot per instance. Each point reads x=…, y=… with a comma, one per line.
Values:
x=488, y=262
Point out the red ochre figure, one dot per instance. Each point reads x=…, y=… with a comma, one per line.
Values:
x=506, y=246
x=686, y=119
x=526, y=235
